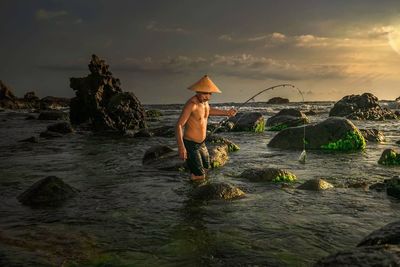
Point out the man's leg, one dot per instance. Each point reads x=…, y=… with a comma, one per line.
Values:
x=194, y=161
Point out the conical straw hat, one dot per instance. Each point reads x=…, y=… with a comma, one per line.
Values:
x=204, y=85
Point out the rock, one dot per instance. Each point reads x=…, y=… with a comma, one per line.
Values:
x=143, y=133
x=7, y=98
x=361, y=107
x=249, y=122
x=100, y=100
x=389, y=157
x=316, y=185
x=214, y=191
x=380, y=187
x=153, y=113
x=163, y=131
x=386, y=255
x=286, y=118
x=50, y=134
x=334, y=133
x=32, y=139
x=393, y=186
x=31, y=101
x=48, y=191
x=216, y=139
x=51, y=102
x=61, y=127
x=388, y=234
x=53, y=115
x=278, y=100
x=373, y=135
x=156, y=152
x=268, y=175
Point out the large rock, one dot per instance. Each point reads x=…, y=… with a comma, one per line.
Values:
x=48, y=191
x=373, y=135
x=286, y=118
x=100, y=100
x=278, y=100
x=389, y=157
x=334, y=133
x=388, y=234
x=268, y=175
x=7, y=98
x=249, y=122
x=31, y=101
x=361, y=107
x=214, y=191
x=393, y=186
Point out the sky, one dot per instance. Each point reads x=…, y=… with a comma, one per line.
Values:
x=157, y=48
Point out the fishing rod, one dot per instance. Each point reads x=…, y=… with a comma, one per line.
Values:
x=303, y=155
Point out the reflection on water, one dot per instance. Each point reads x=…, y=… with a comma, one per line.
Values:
x=130, y=215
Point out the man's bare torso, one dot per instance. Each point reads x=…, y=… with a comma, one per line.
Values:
x=196, y=125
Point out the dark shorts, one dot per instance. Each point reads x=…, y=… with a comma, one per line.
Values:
x=198, y=159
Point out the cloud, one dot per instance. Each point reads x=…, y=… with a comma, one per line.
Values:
x=154, y=27
x=43, y=14
x=225, y=37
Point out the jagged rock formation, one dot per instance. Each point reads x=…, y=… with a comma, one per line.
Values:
x=361, y=107
x=7, y=98
x=101, y=101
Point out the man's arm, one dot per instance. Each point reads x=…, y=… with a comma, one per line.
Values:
x=221, y=112
x=185, y=114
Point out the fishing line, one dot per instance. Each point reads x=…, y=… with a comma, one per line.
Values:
x=303, y=155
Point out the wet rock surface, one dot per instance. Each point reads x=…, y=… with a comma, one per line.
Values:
x=268, y=175
x=389, y=157
x=47, y=192
x=334, y=133
x=249, y=122
x=215, y=191
x=388, y=234
x=361, y=107
x=100, y=100
x=286, y=118
x=373, y=135
x=316, y=185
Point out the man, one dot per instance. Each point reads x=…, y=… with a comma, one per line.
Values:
x=192, y=126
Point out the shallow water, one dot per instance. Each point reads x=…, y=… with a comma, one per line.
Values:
x=130, y=215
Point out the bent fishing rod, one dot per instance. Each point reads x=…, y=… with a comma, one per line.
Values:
x=303, y=154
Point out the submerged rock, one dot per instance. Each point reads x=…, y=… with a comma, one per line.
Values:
x=48, y=191
x=286, y=118
x=53, y=115
x=213, y=191
x=163, y=131
x=385, y=255
x=248, y=122
x=334, y=133
x=153, y=114
x=143, y=133
x=100, y=100
x=393, y=186
x=373, y=135
x=316, y=185
x=32, y=139
x=389, y=157
x=268, y=175
x=156, y=152
x=61, y=127
x=388, y=234
x=361, y=107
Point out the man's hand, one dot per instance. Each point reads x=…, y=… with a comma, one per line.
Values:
x=182, y=153
x=231, y=112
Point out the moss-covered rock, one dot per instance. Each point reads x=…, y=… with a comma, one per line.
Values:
x=216, y=139
x=248, y=122
x=334, y=133
x=286, y=118
x=153, y=113
x=268, y=175
x=316, y=185
x=393, y=187
x=389, y=157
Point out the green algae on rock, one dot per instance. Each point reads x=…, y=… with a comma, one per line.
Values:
x=278, y=127
x=389, y=157
x=352, y=141
x=269, y=175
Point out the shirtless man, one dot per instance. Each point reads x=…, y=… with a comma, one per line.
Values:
x=192, y=126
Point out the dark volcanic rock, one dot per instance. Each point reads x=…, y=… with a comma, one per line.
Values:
x=278, y=100
x=61, y=127
x=361, y=107
x=287, y=118
x=47, y=192
x=214, y=191
x=385, y=255
x=388, y=234
x=51, y=102
x=100, y=100
x=53, y=115
x=373, y=135
x=7, y=98
x=249, y=121
x=332, y=134
x=393, y=186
